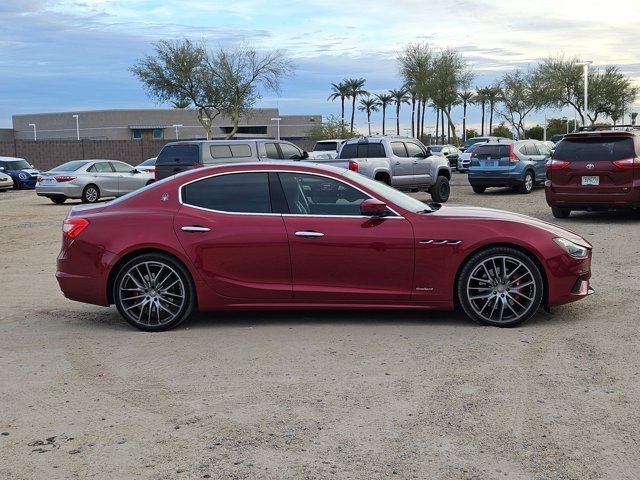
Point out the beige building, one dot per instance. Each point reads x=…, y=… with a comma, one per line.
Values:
x=158, y=124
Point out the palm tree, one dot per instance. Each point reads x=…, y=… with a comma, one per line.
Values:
x=369, y=104
x=399, y=97
x=355, y=87
x=384, y=100
x=493, y=96
x=340, y=91
x=482, y=97
x=466, y=97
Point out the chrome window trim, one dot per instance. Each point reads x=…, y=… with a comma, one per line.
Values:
x=397, y=215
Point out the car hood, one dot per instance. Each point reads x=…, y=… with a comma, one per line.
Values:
x=29, y=171
x=492, y=214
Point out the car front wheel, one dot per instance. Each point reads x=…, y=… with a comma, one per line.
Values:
x=440, y=190
x=154, y=292
x=501, y=287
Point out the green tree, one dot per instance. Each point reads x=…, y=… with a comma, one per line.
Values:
x=466, y=98
x=471, y=132
x=536, y=133
x=384, y=100
x=400, y=96
x=177, y=72
x=341, y=91
x=368, y=104
x=521, y=95
x=416, y=63
x=502, y=131
x=331, y=128
x=355, y=87
x=610, y=94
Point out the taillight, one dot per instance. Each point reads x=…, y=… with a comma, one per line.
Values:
x=72, y=227
x=554, y=164
x=62, y=179
x=627, y=163
x=513, y=158
x=39, y=179
x=353, y=166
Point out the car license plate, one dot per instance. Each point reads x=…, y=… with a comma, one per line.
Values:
x=489, y=163
x=47, y=181
x=590, y=180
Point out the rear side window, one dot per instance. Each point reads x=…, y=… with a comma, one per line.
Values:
x=595, y=149
x=187, y=154
x=100, y=167
x=71, y=166
x=493, y=151
x=241, y=150
x=233, y=193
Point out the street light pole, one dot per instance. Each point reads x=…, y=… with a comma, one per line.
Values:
x=176, y=127
x=277, y=119
x=77, y=127
x=35, y=135
x=585, y=64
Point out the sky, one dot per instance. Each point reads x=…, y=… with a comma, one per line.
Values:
x=71, y=55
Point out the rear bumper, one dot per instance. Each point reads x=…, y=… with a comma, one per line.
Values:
x=592, y=201
x=69, y=191
x=492, y=179
x=5, y=184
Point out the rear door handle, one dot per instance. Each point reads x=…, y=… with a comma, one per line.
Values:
x=195, y=228
x=309, y=234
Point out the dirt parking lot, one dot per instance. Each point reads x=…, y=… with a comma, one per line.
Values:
x=318, y=394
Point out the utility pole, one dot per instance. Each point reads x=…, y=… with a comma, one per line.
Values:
x=35, y=135
x=585, y=64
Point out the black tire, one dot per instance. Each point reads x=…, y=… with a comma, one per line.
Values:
x=561, y=212
x=160, y=263
x=528, y=182
x=150, y=182
x=502, y=294
x=440, y=190
x=384, y=179
x=58, y=199
x=90, y=194
x=478, y=188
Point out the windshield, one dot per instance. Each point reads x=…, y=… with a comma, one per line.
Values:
x=594, y=149
x=326, y=147
x=473, y=141
x=15, y=164
x=386, y=192
x=70, y=166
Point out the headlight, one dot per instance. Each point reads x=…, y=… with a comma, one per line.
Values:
x=573, y=249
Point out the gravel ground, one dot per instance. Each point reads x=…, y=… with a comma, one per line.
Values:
x=319, y=394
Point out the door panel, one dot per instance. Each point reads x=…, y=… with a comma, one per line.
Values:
x=401, y=165
x=355, y=259
x=103, y=175
x=242, y=256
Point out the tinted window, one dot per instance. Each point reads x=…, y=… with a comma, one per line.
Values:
x=272, y=151
x=398, y=149
x=363, y=150
x=241, y=150
x=326, y=147
x=289, y=152
x=493, y=151
x=187, y=154
x=237, y=192
x=316, y=195
x=594, y=149
x=100, y=167
x=414, y=150
x=15, y=164
x=375, y=150
x=121, y=167
x=148, y=163
x=70, y=166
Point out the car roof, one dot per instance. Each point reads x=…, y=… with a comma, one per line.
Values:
x=222, y=142
x=8, y=159
x=601, y=133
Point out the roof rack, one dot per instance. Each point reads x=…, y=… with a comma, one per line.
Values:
x=594, y=128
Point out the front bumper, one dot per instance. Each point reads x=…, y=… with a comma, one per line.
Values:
x=568, y=279
x=6, y=184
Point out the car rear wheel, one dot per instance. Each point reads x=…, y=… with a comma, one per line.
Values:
x=561, y=212
x=527, y=184
x=154, y=292
x=501, y=287
x=478, y=189
x=90, y=194
x=58, y=199
x=440, y=190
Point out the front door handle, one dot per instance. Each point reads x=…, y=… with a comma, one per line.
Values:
x=195, y=228
x=309, y=234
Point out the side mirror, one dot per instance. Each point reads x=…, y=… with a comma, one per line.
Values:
x=305, y=154
x=374, y=208
x=134, y=171
x=429, y=151
x=31, y=166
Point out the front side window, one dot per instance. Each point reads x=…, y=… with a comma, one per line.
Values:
x=233, y=193
x=289, y=152
x=414, y=150
x=316, y=195
x=398, y=149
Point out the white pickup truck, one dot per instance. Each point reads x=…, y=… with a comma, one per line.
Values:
x=404, y=163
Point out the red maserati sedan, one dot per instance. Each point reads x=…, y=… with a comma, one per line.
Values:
x=294, y=235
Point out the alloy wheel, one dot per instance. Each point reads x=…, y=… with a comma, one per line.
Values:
x=501, y=289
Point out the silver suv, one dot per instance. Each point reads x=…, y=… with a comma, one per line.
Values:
x=401, y=162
